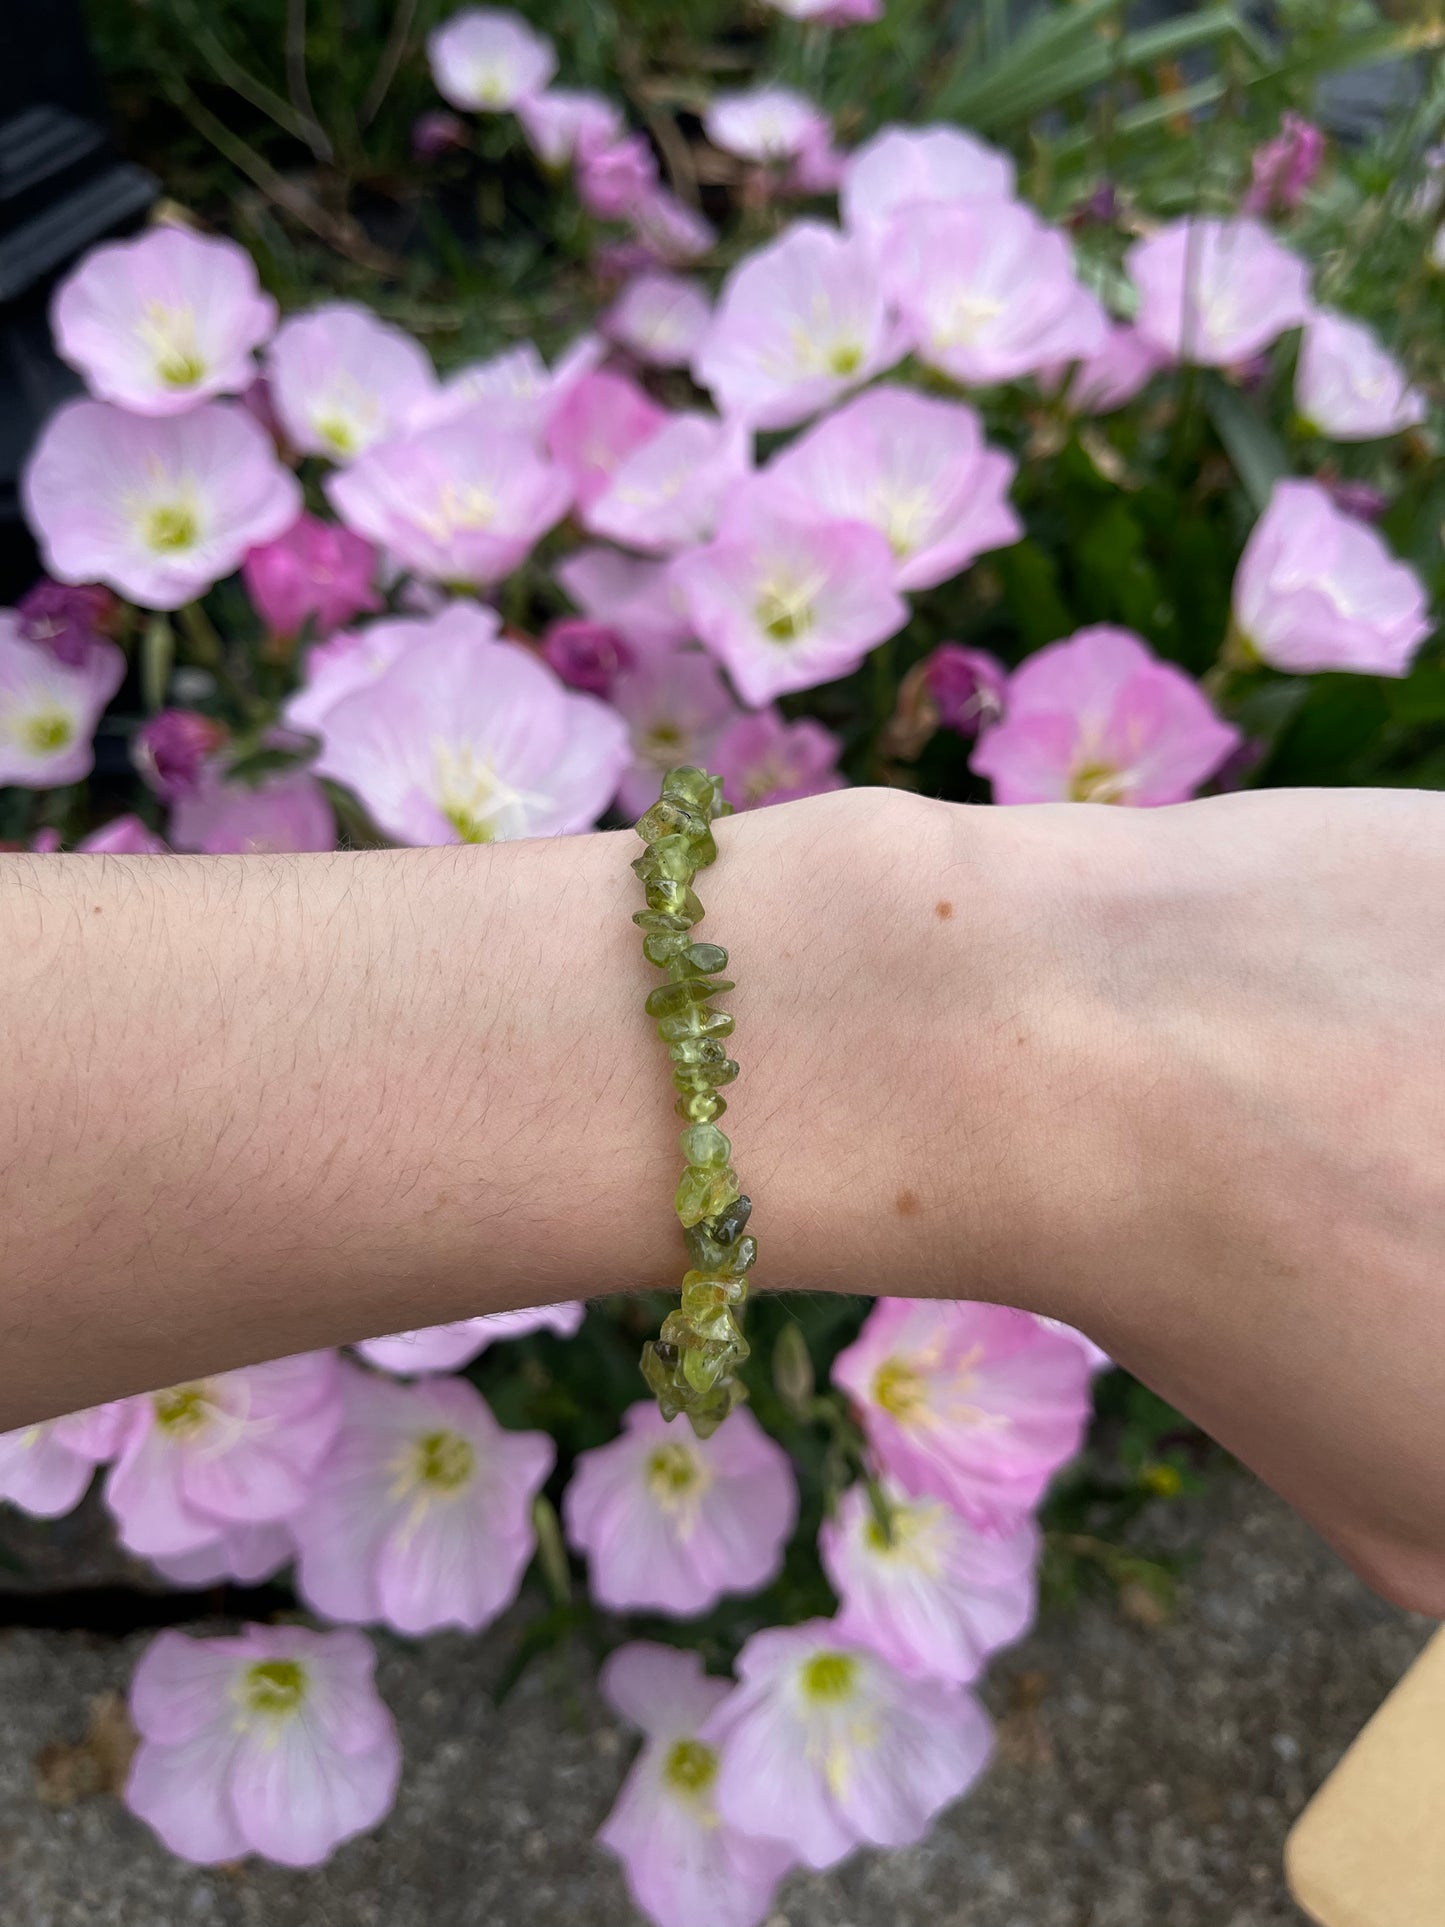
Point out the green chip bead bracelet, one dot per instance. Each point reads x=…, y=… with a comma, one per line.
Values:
x=692, y=1366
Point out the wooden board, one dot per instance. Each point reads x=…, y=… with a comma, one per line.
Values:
x=1369, y=1849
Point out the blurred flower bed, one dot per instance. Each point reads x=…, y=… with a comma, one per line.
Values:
x=504, y=410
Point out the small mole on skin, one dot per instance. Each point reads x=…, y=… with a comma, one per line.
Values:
x=943, y=911
x=906, y=1204
x=95, y=910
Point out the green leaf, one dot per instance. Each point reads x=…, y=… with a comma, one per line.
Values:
x=1249, y=441
x=1031, y=591
x=157, y=657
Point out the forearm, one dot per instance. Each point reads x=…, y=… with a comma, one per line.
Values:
x=254, y=1105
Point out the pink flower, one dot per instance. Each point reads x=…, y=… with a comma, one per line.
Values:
x=314, y=571
x=49, y=709
x=819, y=166
x=767, y=124
x=520, y=391
x=800, y=322
x=1098, y=1359
x=587, y=655
x=637, y=599
x=988, y=291
x=786, y=602
x=172, y=748
x=671, y=1522
x=968, y=1403
x=566, y=124
x=160, y=507
x=243, y=1555
x=616, y=178
x=1317, y=590
x=486, y=60
x=660, y=318
x=684, y=1864
x=1282, y=169
x=446, y=1348
x=285, y=811
x=826, y=1747
x=421, y=1515
x=665, y=494
x=456, y=501
x=673, y=702
x=902, y=167
x=1216, y=292
x=968, y=687
x=66, y=618
x=1098, y=719
x=763, y=759
x=272, y=1741
x=670, y=229
x=160, y=323
x=937, y=1597
x=340, y=380
x=1347, y=386
x=831, y=13
x=602, y=421
x=241, y=1448
x=45, y=1469
x=1107, y=379
x=914, y=468
x=123, y=836
x=463, y=739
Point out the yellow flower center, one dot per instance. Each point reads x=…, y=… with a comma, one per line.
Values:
x=829, y=1678
x=690, y=1768
x=171, y=527
x=337, y=432
x=445, y=1461
x=274, y=1687
x=844, y=358
x=46, y=731
x=898, y=1388
x=671, y=1471
x=1097, y=783
x=182, y=1410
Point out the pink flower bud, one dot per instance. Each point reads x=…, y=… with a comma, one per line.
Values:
x=171, y=748
x=967, y=685
x=585, y=654
x=1282, y=169
x=314, y=570
x=66, y=619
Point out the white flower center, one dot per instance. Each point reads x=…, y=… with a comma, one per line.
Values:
x=473, y=797
x=966, y=318
x=677, y=1481
x=346, y=416
x=169, y=338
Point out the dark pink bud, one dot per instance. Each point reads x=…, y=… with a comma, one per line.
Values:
x=967, y=687
x=586, y=654
x=1356, y=498
x=171, y=749
x=433, y=135
x=1282, y=169
x=316, y=570
x=66, y=619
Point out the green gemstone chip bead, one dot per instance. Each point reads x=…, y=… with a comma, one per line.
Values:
x=692, y=1366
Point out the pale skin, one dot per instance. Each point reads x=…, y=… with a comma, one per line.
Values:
x=1175, y=1075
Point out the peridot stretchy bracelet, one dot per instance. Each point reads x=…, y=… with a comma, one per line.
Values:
x=692, y=1366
